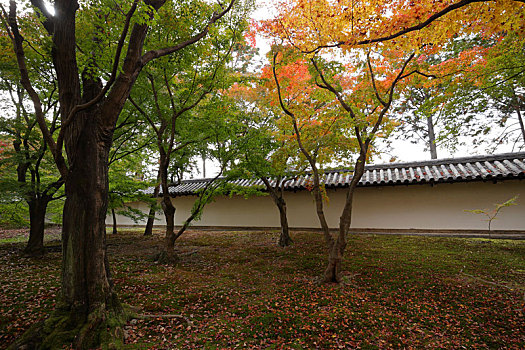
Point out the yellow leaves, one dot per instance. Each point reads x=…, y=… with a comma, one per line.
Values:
x=311, y=24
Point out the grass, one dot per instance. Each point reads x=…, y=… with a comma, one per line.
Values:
x=239, y=290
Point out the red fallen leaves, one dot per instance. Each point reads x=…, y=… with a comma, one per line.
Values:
x=241, y=291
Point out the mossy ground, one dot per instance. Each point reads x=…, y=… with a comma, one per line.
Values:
x=239, y=289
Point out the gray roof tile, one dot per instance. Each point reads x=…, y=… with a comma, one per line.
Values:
x=477, y=168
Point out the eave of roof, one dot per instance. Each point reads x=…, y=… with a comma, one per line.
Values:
x=475, y=168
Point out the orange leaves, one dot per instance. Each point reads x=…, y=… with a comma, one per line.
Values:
x=407, y=25
x=251, y=33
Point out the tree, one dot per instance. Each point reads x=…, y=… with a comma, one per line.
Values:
x=319, y=26
x=353, y=100
x=492, y=214
x=266, y=158
x=36, y=181
x=178, y=88
x=501, y=80
x=93, y=85
x=449, y=110
x=312, y=26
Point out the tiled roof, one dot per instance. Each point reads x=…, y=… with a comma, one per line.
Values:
x=475, y=168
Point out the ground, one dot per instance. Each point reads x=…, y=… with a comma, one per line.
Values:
x=240, y=290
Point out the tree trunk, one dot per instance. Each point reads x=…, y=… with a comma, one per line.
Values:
x=332, y=274
x=336, y=250
x=319, y=208
x=114, y=221
x=520, y=120
x=89, y=300
x=37, y=213
x=168, y=255
x=431, y=138
x=88, y=312
x=148, y=231
x=284, y=239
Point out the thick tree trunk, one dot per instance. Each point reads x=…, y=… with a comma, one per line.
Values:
x=115, y=231
x=37, y=213
x=87, y=287
x=89, y=312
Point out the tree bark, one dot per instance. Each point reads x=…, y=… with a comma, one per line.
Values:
x=168, y=255
x=431, y=138
x=284, y=239
x=332, y=274
x=37, y=213
x=115, y=231
x=148, y=231
x=278, y=198
x=87, y=286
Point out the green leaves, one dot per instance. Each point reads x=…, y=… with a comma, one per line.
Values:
x=492, y=214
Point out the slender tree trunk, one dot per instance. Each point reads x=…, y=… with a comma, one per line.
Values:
x=168, y=254
x=114, y=221
x=284, y=239
x=336, y=250
x=520, y=120
x=203, y=166
x=37, y=213
x=431, y=138
x=148, y=231
x=319, y=208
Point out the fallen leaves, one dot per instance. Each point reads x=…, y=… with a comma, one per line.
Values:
x=239, y=290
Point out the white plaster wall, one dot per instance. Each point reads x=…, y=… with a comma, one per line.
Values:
x=440, y=206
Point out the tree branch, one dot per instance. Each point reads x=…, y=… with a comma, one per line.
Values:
x=114, y=70
x=49, y=19
x=407, y=30
x=11, y=24
x=153, y=54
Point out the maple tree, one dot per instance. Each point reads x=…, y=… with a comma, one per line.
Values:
x=386, y=28
x=179, y=85
x=334, y=115
x=36, y=180
x=268, y=156
x=313, y=25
